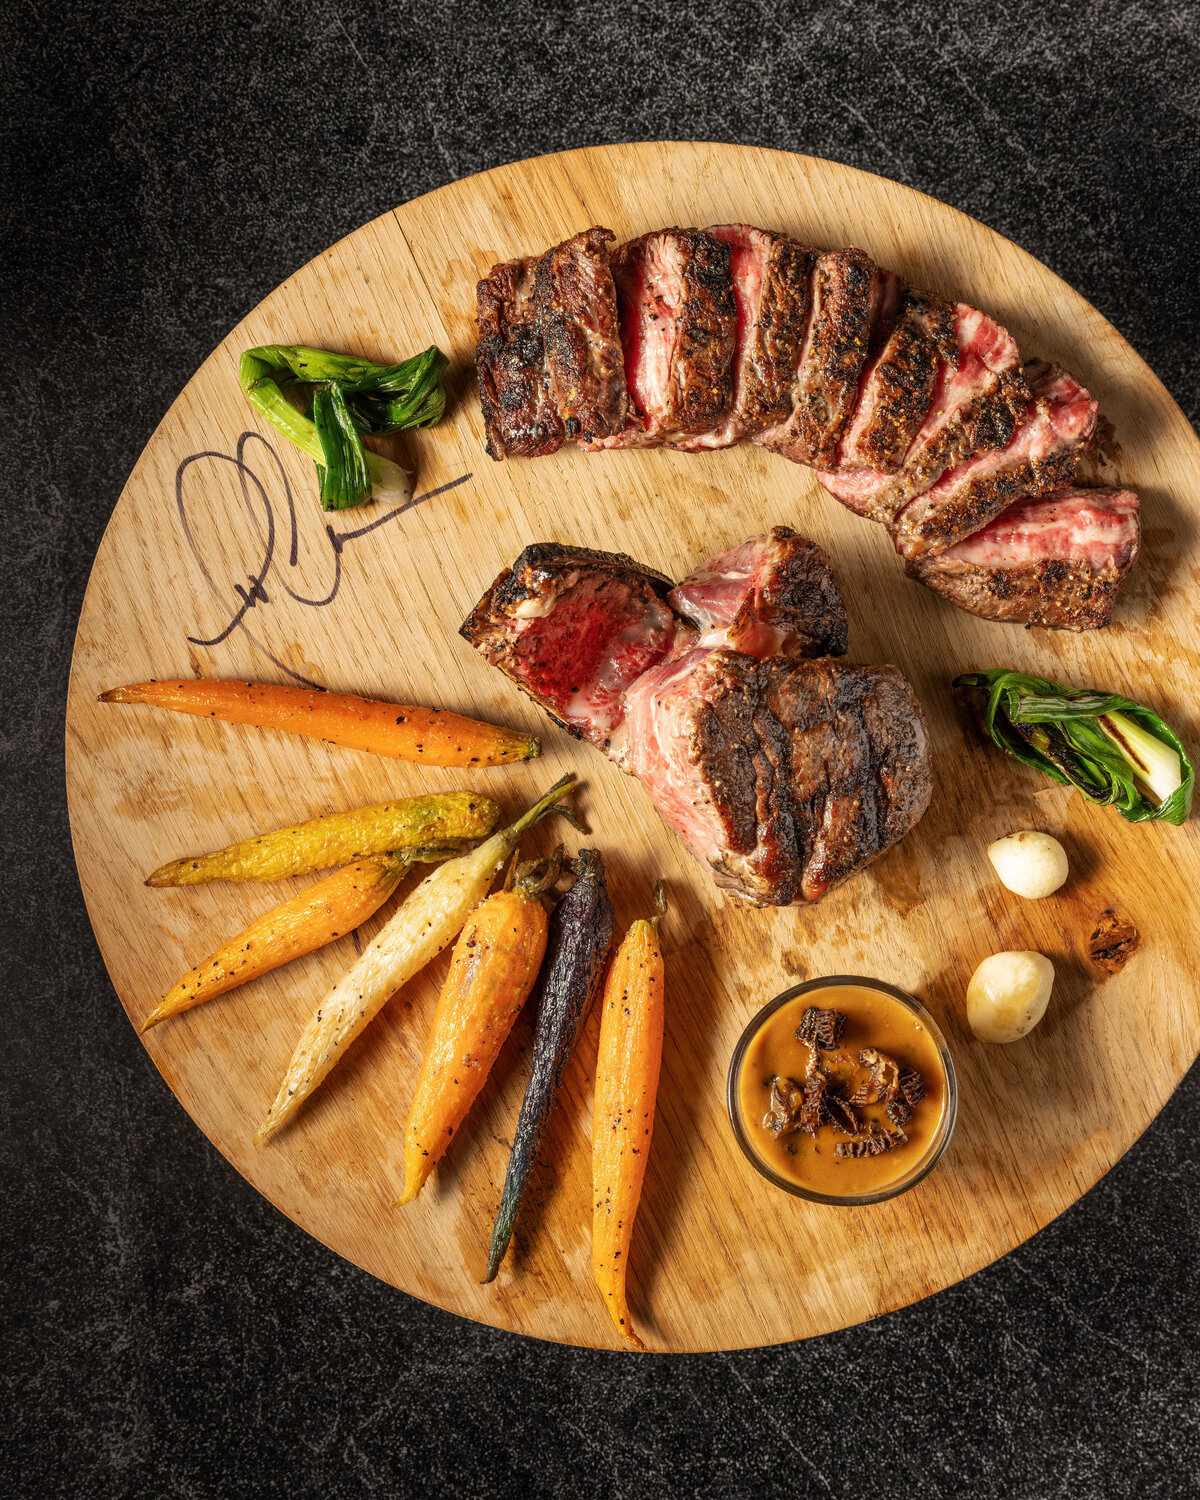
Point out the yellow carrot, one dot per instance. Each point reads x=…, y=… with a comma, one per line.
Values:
x=627, y=1069
x=492, y=970
x=430, y=918
x=446, y=819
x=401, y=730
x=327, y=910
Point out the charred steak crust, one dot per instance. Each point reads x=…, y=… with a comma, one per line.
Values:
x=814, y=769
x=826, y=388
x=779, y=335
x=576, y=303
x=899, y=386
x=1053, y=592
x=520, y=417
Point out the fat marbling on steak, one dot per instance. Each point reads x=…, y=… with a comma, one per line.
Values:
x=775, y=595
x=1042, y=455
x=784, y=773
x=1057, y=560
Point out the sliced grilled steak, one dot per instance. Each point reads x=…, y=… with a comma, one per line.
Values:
x=772, y=287
x=978, y=400
x=774, y=595
x=1042, y=455
x=574, y=628
x=577, y=318
x=848, y=294
x=783, y=776
x=1055, y=561
x=520, y=416
x=898, y=385
x=678, y=326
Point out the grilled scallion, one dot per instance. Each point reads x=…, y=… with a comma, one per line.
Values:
x=348, y=397
x=1118, y=753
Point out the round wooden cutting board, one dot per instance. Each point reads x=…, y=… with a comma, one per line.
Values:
x=219, y=562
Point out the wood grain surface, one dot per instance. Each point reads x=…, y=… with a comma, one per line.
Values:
x=225, y=566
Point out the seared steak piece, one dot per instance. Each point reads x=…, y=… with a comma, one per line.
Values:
x=573, y=628
x=520, y=416
x=1055, y=561
x=577, y=318
x=1042, y=455
x=772, y=287
x=784, y=776
x=678, y=326
x=979, y=397
x=898, y=384
x=848, y=295
x=775, y=595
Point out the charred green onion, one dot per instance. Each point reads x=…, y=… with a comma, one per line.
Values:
x=1118, y=753
x=344, y=397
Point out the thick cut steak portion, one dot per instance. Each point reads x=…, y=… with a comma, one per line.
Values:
x=775, y=595
x=848, y=294
x=898, y=384
x=1042, y=455
x=520, y=416
x=678, y=326
x=1055, y=561
x=772, y=287
x=979, y=397
x=574, y=628
x=784, y=776
x=577, y=318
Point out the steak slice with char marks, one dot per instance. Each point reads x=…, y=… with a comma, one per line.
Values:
x=898, y=385
x=520, y=417
x=573, y=628
x=979, y=397
x=772, y=276
x=848, y=293
x=774, y=595
x=1056, y=561
x=577, y=318
x=1042, y=455
x=784, y=776
x=678, y=325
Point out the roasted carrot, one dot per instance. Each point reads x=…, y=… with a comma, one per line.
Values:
x=430, y=918
x=327, y=910
x=627, y=1068
x=401, y=730
x=412, y=824
x=493, y=968
x=581, y=930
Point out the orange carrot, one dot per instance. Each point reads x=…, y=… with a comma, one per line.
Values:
x=495, y=963
x=627, y=1068
x=399, y=730
x=327, y=910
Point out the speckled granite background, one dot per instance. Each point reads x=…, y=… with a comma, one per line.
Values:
x=165, y=1331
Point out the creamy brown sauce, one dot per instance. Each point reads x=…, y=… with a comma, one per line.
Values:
x=873, y=1019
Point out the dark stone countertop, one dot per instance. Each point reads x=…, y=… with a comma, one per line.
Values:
x=166, y=1331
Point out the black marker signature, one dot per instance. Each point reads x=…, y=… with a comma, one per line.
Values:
x=253, y=594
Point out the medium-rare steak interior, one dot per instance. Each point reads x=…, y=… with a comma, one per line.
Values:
x=783, y=769
x=1057, y=560
x=915, y=412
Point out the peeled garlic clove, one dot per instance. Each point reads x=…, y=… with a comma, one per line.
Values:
x=1028, y=863
x=1008, y=995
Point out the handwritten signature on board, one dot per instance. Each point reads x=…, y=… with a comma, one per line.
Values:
x=253, y=595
